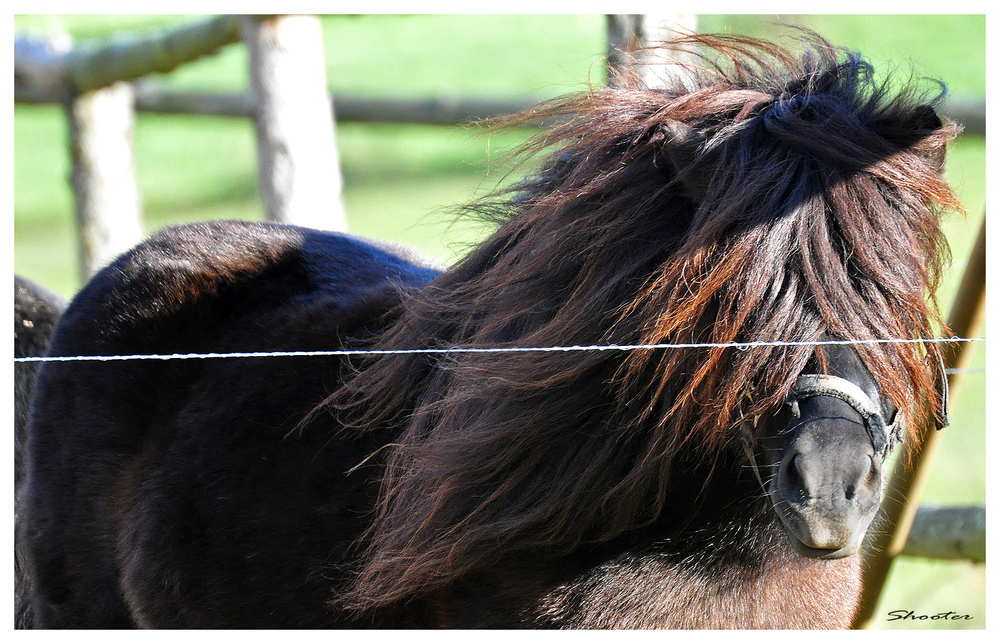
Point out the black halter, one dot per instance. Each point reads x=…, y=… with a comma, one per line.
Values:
x=885, y=436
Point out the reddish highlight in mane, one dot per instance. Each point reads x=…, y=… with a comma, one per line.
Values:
x=768, y=196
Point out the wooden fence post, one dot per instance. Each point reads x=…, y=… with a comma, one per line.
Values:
x=108, y=206
x=298, y=166
x=628, y=34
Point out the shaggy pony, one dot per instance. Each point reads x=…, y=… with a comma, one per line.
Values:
x=766, y=196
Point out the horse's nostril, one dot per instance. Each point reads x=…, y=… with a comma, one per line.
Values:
x=795, y=484
x=793, y=468
x=863, y=479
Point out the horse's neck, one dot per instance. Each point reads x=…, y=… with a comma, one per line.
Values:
x=718, y=571
x=747, y=577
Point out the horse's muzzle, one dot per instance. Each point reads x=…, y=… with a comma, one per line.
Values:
x=828, y=486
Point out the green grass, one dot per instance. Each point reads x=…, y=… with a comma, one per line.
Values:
x=400, y=181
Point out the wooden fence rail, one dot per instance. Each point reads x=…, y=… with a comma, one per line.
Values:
x=56, y=65
x=952, y=533
x=439, y=110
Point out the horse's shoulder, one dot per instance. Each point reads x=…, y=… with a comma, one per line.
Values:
x=203, y=276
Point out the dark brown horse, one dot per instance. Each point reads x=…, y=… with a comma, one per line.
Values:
x=36, y=311
x=768, y=197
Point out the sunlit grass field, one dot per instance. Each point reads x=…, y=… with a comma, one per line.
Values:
x=401, y=182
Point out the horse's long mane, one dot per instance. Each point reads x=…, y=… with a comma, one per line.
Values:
x=766, y=195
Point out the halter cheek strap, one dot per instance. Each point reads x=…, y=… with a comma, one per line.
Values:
x=884, y=436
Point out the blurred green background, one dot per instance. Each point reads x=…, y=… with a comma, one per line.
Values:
x=400, y=181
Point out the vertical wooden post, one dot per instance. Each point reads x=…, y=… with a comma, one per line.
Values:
x=622, y=38
x=298, y=166
x=108, y=209
x=632, y=39
x=902, y=495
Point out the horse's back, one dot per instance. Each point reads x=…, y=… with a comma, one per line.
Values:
x=184, y=492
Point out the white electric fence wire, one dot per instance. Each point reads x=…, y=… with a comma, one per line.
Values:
x=742, y=346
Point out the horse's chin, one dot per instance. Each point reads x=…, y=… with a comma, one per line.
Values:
x=793, y=525
x=822, y=553
x=841, y=541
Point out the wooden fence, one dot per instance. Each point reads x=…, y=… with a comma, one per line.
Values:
x=100, y=86
x=297, y=155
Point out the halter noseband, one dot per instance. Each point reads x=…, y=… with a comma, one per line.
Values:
x=885, y=436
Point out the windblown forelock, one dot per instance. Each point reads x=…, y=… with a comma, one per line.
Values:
x=775, y=230
x=841, y=211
